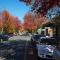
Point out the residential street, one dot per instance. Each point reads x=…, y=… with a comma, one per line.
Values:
x=29, y=29
x=18, y=50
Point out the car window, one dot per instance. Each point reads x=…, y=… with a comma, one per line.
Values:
x=48, y=41
x=36, y=36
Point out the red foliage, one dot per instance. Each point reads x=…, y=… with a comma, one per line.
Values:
x=29, y=22
x=11, y=23
x=32, y=22
x=45, y=5
x=17, y=23
x=1, y=22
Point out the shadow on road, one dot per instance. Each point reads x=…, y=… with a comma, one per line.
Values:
x=17, y=50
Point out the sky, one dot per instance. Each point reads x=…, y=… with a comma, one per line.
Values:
x=14, y=7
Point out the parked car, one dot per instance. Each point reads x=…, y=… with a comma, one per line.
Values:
x=4, y=36
x=46, y=48
x=36, y=38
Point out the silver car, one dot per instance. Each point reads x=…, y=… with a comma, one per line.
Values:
x=46, y=48
x=45, y=51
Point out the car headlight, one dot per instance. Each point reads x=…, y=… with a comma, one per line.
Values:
x=37, y=42
x=50, y=53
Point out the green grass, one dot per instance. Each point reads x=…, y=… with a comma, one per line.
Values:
x=12, y=40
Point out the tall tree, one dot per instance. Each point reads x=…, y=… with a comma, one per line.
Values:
x=17, y=24
x=8, y=23
x=39, y=20
x=29, y=22
x=42, y=6
x=1, y=23
x=33, y=21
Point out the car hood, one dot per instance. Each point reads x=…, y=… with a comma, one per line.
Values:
x=45, y=48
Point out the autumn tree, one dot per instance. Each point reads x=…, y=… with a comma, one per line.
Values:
x=8, y=23
x=1, y=23
x=39, y=20
x=33, y=21
x=29, y=22
x=17, y=24
x=42, y=6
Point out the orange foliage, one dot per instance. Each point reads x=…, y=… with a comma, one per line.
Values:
x=39, y=20
x=17, y=23
x=1, y=23
x=11, y=23
x=32, y=22
x=29, y=22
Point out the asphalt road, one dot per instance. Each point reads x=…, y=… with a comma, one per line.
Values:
x=21, y=49
x=27, y=38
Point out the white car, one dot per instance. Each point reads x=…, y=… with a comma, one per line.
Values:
x=45, y=51
x=46, y=48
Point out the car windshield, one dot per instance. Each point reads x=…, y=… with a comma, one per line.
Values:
x=48, y=41
x=36, y=36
